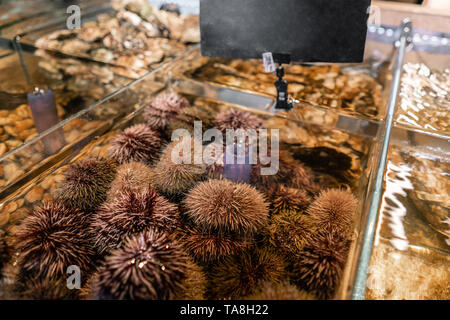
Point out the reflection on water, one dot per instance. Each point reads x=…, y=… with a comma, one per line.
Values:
x=425, y=98
x=411, y=255
x=397, y=182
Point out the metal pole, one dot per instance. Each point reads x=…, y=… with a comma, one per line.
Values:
x=18, y=48
x=369, y=234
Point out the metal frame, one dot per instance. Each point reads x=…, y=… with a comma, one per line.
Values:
x=359, y=287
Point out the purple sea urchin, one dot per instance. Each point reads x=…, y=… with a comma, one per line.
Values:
x=206, y=246
x=150, y=266
x=130, y=176
x=227, y=206
x=240, y=275
x=280, y=291
x=52, y=238
x=130, y=213
x=236, y=119
x=86, y=183
x=333, y=211
x=288, y=199
x=136, y=143
x=290, y=231
x=171, y=177
x=319, y=266
x=163, y=109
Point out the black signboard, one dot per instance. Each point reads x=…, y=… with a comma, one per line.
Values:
x=308, y=30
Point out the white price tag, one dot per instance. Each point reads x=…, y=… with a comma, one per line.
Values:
x=269, y=64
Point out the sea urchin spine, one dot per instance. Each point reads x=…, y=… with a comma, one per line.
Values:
x=239, y=276
x=333, y=211
x=130, y=213
x=136, y=143
x=319, y=266
x=236, y=119
x=171, y=176
x=163, y=109
x=227, y=206
x=86, y=183
x=150, y=266
x=52, y=238
x=130, y=176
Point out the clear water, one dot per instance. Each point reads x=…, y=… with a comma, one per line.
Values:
x=411, y=255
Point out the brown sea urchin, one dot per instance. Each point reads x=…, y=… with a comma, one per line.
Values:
x=50, y=239
x=187, y=116
x=149, y=266
x=46, y=289
x=240, y=275
x=227, y=206
x=130, y=213
x=319, y=266
x=163, y=109
x=288, y=199
x=194, y=284
x=333, y=210
x=171, y=177
x=236, y=119
x=290, y=231
x=206, y=246
x=136, y=143
x=280, y=291
x=130, y=176
x=86, y=183
x=290, y=173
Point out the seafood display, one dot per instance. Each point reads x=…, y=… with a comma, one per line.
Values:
x=323, y=85
x=138, y=37
x=211, y=254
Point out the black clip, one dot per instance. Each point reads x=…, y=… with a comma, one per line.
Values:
x=283, y=102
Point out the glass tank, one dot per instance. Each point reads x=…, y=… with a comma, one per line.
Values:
x=321, y=148
x=75, y=84
x=336, y=140
x=132, y=35
x=410, y=258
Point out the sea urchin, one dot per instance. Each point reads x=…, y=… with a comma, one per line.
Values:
x=130, y=213
x=86, y=183
x=136, y=143
x=319, y=266
x=290, y=231
x=236, y=119
x=130, y=176
x=171, y=176
x=163, y=109
x=50, y=239
x=280, y=291
x=240, y=275
x=149, y=266
x=288, y=199
x=227, y=206
x=333, y=210
x=206, y=246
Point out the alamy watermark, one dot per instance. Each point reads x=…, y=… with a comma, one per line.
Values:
x=74, y=279
x=239, y=146
x=74, y=20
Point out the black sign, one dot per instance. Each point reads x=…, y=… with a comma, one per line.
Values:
x=308, y=30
